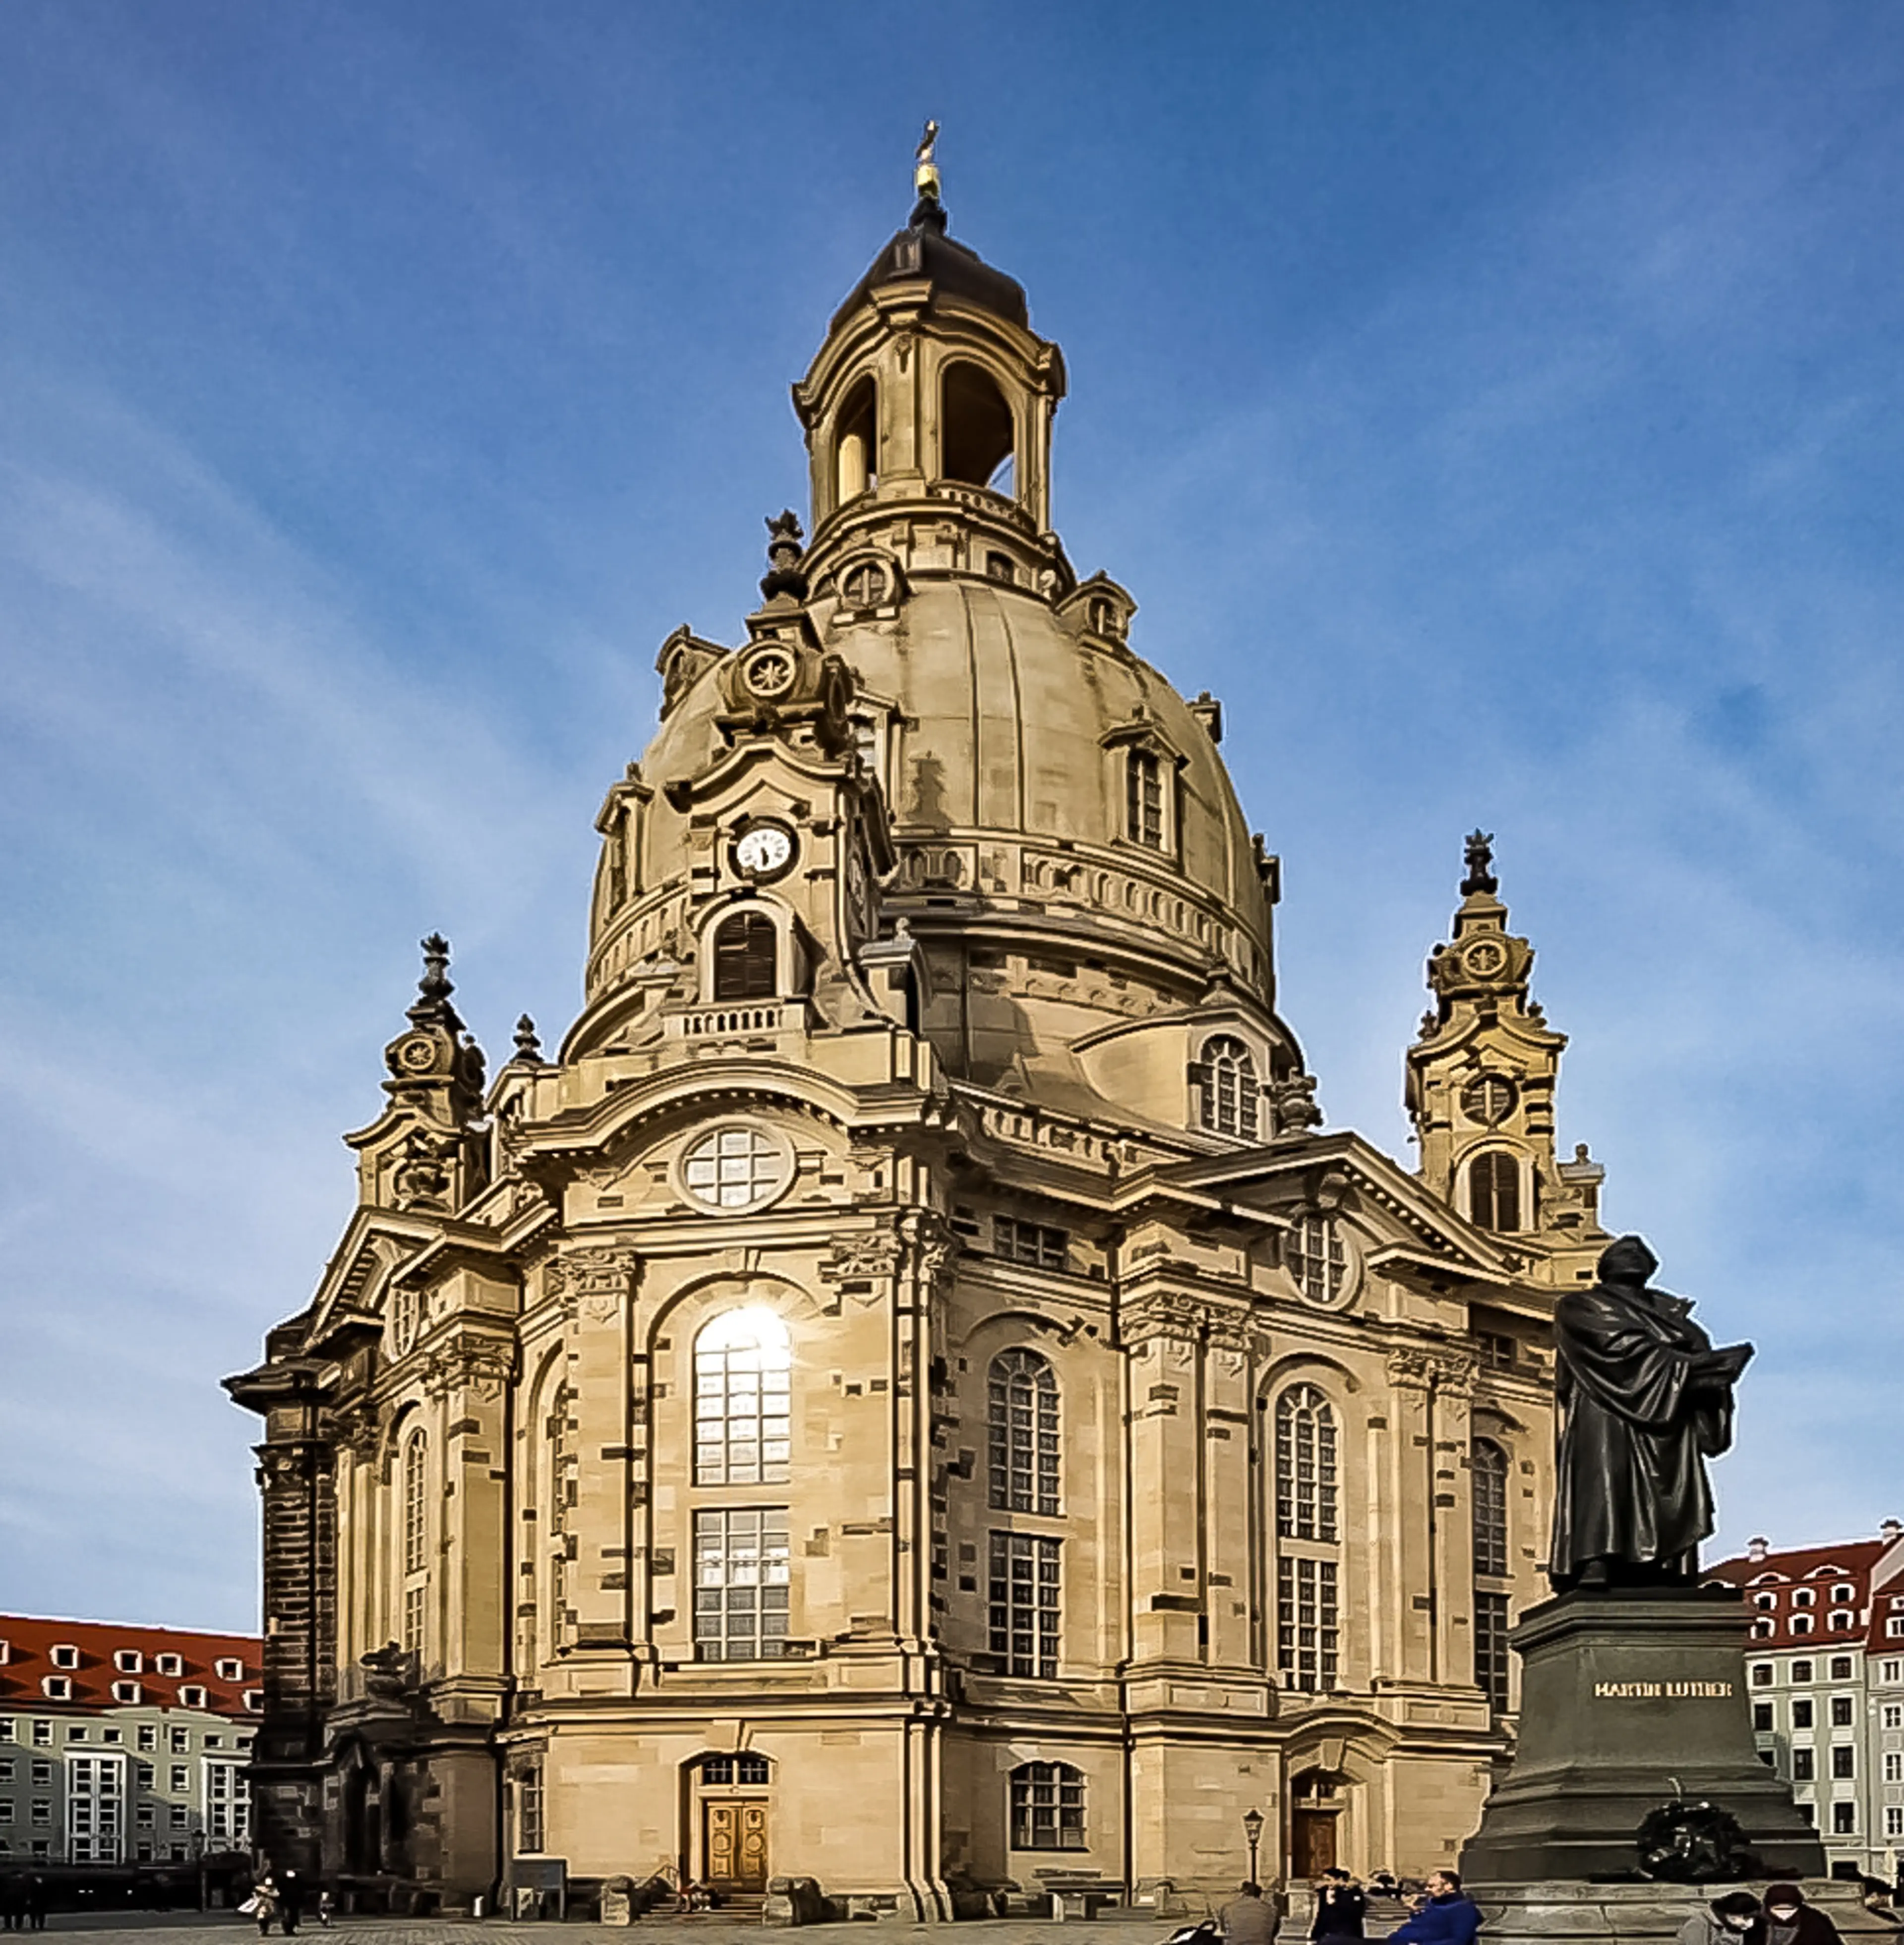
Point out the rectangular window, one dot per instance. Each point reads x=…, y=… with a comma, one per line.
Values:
x=1047, y=1808
x=1841, y=1712
x=1801, y=1671
x=1890, y=1671
x=1491, y=1647
x=1021, y=1429
x=1143, y=806
x=42, y=1734
x=1892, y=1717
x=1894, y=1821
x=181, y=1742
x=1843, y=1761
x=6, y=1810
x=42, y=1775
x=1894, y=1627
x=415, y=1600
x=145, y=1778
x=1306, y=1616
x=6, y=1728
x=148, y=1736
x=741, y=1583
x=181, y=1817
x=1803, y=1767
x=1762, y=1716
x=228, y=1808
x=146, y=1819
x=1801, y=1714
x=42, y=1810
x=1894, y=1766
x=529, y=1812
x=6, y=1769
x=1497, y=1350
x=1030, y=1243
x=1761, y=1675
x=1844, y=1819
x=1023, y=1608
x=180, y=1776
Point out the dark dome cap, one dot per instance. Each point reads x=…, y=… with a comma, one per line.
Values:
x=924, y=249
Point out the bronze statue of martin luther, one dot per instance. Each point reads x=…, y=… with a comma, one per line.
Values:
x=1645, y=1400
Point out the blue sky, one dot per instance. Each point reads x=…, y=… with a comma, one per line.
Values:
x=1496, y=405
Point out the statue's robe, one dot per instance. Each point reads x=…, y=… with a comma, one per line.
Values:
x=1636, y=1431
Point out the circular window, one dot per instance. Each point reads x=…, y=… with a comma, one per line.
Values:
x=770, y=673
x=1484, y=958
x=1489, y=1100
x=737, y=1167
x=865, y=584
x=1319, y=1258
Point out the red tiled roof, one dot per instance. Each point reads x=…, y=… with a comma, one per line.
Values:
x=31, y=1639
x=1820, y=1568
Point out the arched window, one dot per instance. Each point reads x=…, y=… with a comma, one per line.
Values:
x=743, y=1364
x=1024, y=1433
x=855, y=448
x=1047, y=1807
x=976, y=435
x=1489, y=1099
x=746, y=957
x=1488, y=1470
x=1494, y=1191
x=416, y=1540
x=1306, y=1477
x=1317, y=1259
x=1229, y=1090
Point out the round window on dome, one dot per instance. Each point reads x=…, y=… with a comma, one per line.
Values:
x=737, y=1167
x=1489, y=1100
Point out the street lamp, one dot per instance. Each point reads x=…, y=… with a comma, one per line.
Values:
x=1253, y=1831
x=196, y=1844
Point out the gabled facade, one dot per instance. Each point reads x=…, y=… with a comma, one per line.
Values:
x=908, y=1396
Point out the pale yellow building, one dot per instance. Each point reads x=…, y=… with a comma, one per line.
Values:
x=909, y=1395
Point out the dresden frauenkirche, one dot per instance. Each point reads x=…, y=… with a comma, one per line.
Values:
x=907, y=1411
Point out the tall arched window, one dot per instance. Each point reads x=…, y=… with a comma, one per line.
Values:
x=1047, y=1807
x=1023, y=1430
x=856, y=448
x=1494, y=1191
x=1308, y=1590
x=1488, y=1470
x=1143, y=799
x=976, y=435
x=746, y=957
x=1229, y=1087
x=416, y=1539
x=743, y=1364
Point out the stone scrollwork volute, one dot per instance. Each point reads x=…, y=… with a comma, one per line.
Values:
x=480, y=1365
x=1181, y=1318
x=862, y=1254
x=1437, y=1371
x=596, y=1283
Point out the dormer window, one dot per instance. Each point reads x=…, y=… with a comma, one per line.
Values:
x=1804, y=1597
x=254, y=1700
x=191, y=1696
x=56, y=1687
x=1143, y=799
x=1226, y=1080
x=1842, y=1595
x=64, y=1656
x=128, y=1661
x=127, y=1693
x=229, y=1669
x=1002, y=567
x=746, y=957
x=173, y=1665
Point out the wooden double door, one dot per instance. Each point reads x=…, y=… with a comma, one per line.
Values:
x=734, y=1844
x=1312, y=1843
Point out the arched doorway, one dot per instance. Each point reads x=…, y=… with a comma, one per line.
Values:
x=1316, y=1804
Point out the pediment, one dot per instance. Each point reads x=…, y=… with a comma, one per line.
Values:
x=356, y=1283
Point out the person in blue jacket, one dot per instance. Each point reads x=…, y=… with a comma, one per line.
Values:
x=1448, y=1918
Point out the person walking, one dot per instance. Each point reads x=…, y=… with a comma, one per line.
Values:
x=1341, y=1906
x=38, y=1896
x=326, y=1904
x=1724, y=1921
x=1249, y=1919
x=1449, y=1916
x=1786, y=1919
x=291, y=1900
x=13, y=1901
x=263, y=1903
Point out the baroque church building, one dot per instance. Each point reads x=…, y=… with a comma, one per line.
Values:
x=909, y=1396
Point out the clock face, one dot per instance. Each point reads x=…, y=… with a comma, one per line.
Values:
x=763, y=850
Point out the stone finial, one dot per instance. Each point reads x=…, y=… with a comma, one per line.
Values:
x=432, y=1007
x=785, y=574
x=528, y=1046
x=1757, y=1547
x=1478, y=855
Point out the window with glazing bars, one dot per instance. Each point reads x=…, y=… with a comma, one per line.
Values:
x=1229, y=1091
x=1316, y=1258
x=1488, y=1472
x=1306, y=1479
x=1047, y=1807
x=1030, y=1243
x=1024, y=1603
x=1143, y=784
x=1491, y=1647
x=1024, y=1433
x=741, y=1574
x=416, y=1510
x=529, y=1812
x=746, y=958
x=1307, y=1624
x=734, y=1769
x=1494, y=1191
x=742, y=1379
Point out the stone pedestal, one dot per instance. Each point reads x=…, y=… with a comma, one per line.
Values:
x=1629, y=1699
